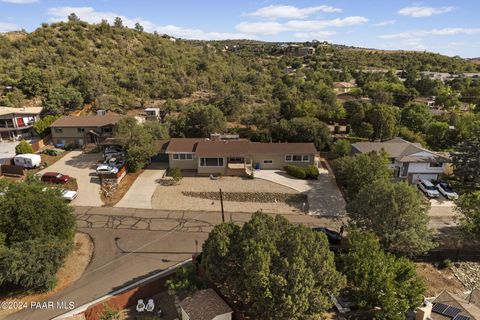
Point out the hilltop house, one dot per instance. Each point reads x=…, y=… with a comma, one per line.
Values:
x=344, y=87
x=234, y=156
x=18, y=122
x=449, y=306
x=409, y=160
x=83, y=130
x=205, y=305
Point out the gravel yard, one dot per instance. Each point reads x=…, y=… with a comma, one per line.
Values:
x=173, y=197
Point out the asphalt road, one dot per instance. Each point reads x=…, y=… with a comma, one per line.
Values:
x=132, y=243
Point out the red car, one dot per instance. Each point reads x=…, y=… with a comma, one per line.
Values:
x=55, y=177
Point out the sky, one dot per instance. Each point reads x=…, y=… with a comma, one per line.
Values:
x=450, y=27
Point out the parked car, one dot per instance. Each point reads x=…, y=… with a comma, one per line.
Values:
x=332, y=236
x=55, y=177
x=114, y=162
x=106, y=169
x=446, y=190
x=27, y=160
x=67, y=195
x=428, y=188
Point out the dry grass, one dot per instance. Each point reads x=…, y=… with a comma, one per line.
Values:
x=438, y=279
x=122, y=189
x=73, y=268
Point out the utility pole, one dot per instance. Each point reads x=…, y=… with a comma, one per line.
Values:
x=221, y=204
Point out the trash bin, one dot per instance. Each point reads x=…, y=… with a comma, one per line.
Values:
x=257, y=166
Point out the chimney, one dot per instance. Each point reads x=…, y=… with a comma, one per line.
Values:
x=425, y=312
x=215, y=136
x=101, y=112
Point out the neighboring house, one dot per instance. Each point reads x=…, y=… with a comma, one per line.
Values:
x=205, y=305
x=18, y=122
x=152, y=114
x=83, y=130
x=344, y=87
x=409, y=160
x=449, y=306
x=235, y=157
x=297, y=51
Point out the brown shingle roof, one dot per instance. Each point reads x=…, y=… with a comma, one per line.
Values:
x=243, y=147
x=204, y=305
x=282, y=148
x=468, y=309
x=86, y=121
x=182, y=145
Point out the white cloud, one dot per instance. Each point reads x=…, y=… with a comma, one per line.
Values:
x=19, y=1
x=272, y=28
x=319, y=35
x=385, y=23
x=418, y=12
x=6, y=27
x=90, y=15
x=281, y=11
x=434, y=32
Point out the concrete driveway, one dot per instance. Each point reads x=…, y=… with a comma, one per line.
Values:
x=141, y=191
x=324, y=197
x=82, y=167
x=7, y=150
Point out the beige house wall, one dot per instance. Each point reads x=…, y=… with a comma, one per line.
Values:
x=72, y=135
x=278, y=161
x=182, y=164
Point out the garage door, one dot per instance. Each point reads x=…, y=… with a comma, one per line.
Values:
x=419, y=176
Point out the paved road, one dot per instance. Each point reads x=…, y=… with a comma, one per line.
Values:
x=324, y=197
x=131, y=243
x=141, y=191
x=82, y=167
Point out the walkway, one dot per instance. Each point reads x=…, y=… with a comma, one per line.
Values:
x=140, y=193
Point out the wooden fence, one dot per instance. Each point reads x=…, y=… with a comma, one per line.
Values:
x=11, y=170
x=39, y=144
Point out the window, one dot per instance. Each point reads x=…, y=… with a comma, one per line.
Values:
x=80, y=130
x=267, y=161
x=107, y=130
x=435, y=164
x=211, y=162
x=58, y=130
x=182, y=156
x=297, y=158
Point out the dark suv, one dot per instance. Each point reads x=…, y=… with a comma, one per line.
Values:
x=55, y=177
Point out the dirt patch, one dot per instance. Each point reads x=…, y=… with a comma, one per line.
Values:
x=121, y=189
x=468, y=273
x=438, y=279
x=74, y=266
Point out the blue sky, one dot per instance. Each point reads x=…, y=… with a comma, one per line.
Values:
x=446, y=26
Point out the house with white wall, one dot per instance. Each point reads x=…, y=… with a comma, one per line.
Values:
x=410, y=161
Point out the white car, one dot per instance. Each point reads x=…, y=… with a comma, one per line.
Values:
x=68, y=195
x=428, y=188
x=446, y=190
x=106, y=169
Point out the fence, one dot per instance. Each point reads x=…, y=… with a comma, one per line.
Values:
x=39, y=144
x=11, y=170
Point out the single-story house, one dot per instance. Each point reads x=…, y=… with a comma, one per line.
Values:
x=344, y=87
x=234, y=157
x=205, y=305
x=18, y=122
x=409, y=160
x=83, y=130
x=449, y=306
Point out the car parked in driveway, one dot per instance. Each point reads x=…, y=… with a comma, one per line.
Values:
x=114, y=162
x=67, y=195
x=428, y=189
x=332, y=236
x=106, y=169
x=446, y=190
x=55, y=177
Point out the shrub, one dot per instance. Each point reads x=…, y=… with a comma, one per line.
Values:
x=311, y=172
x=296, y=171
x=176, y=174
x=445, y=263
x=23, y=147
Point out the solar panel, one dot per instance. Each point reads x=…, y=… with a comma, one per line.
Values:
x=461, y=317
x=439, y=307
x=451, y=311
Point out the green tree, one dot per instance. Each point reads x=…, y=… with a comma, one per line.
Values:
x=185, y=282
x=61, y=98
x=469, y=207
x=42, y=126
x=158, y=130
x=437, y=135
x=466, y=160
x=72, y=18
x=380, y=283
x=23, y=147
x=355, y=172
x=202, y=120
x=118, y=23
x=32, y=82
x=138, y=27
x=396, y=213
x=342, y=148
x=280, y=270
x=384, y=120
x=416, y=117
x=309, y=129
x=137, y=142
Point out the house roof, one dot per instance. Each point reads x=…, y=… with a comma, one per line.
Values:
x=25, y=110
x=204, y=305
x=182, y=145
x=86, y=121
x=343, y=85
x=467, y=309
x=401, y=150
x=223, y=148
